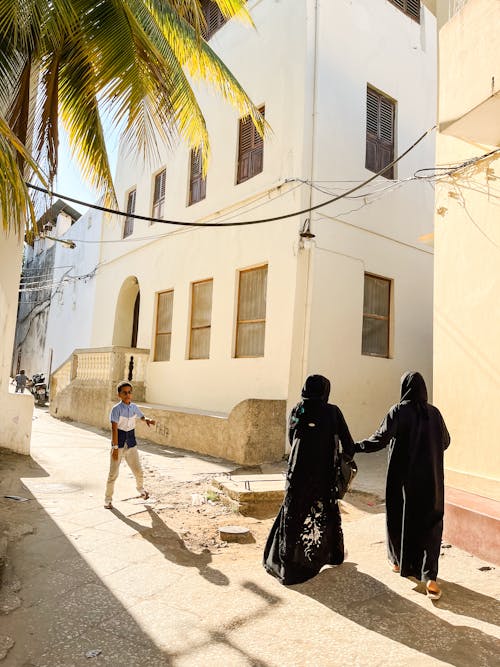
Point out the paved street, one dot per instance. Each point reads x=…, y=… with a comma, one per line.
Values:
x=123, y=582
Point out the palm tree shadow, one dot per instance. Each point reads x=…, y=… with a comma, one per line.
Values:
x=168, y=542
x=369, y=603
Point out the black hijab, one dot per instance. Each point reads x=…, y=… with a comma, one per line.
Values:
x=316, y=388
x=413, y=390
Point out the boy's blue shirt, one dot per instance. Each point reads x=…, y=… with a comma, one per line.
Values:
x=125, y=416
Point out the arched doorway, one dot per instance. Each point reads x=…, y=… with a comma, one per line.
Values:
x=127, y=314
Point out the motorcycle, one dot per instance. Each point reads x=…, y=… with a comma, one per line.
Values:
x=38, y=388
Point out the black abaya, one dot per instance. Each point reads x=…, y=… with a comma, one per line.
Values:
x=417, y=436
x=307, y=532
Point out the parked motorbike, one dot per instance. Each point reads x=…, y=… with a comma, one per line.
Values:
x=38, y=388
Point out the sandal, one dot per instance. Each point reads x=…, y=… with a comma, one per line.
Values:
x=394, y=567
x=108, y=506
x=434, y=593
x=144, y=494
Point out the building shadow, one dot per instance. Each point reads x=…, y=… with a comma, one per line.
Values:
x=366, y=601
x=168, y=543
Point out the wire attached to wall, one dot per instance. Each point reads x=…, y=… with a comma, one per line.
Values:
x=284, y=216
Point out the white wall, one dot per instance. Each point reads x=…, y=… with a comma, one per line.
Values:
x=70, y=317
x=359, y=44
x=17, y=409
x=278, y=70
x=189, y=255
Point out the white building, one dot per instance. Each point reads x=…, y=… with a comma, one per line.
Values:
x=227, y=313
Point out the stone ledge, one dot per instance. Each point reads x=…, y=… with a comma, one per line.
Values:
x=472, y=523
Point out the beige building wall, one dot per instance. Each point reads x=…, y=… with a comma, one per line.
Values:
x=467, y=245
x=17, y=409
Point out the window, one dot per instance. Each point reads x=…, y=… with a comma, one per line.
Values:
x=250, y=149
x=197, y=184
x=380, y=114
x=409, y=7
x=251, y=320
x=201, y=318
x=128, y=227
x=163, y=337
x=213, y=18
x=376, y=312
x=159, y=194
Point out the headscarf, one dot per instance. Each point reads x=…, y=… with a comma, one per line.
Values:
x=316, y=387
x=413, y=390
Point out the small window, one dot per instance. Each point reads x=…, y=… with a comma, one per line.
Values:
x=409, y=7
x=380, y=116
x=213, y=16
x=251, y=319
x=376, y=316
x=159, y=194
x=128, y=226
x=197, y=184
x=250, y=149
x=163, y=336
x=201, y=319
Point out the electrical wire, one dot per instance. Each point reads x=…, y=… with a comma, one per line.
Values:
x=284, y=216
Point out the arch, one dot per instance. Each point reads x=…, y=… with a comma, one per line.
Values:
x=127, y=314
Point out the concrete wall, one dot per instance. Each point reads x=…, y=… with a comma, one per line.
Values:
x=17, y=409
x=467, y=268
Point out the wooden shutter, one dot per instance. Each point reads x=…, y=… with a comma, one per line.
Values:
x=380, y=117
x=197, y=184
x=250, y=149
x=376, y=316
x=251, y=318
x=201, y=319
x=214, y=18
x=409, y=7
x=159, y=194
x=163, y=335
x=128, y=227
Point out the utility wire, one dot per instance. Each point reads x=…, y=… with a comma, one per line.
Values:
x=284, y=216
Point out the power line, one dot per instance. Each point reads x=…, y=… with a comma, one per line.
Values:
x=284, y=216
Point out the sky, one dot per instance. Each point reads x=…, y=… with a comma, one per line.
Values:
x=69, y=180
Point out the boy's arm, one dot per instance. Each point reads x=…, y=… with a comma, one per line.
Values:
x=114, y=439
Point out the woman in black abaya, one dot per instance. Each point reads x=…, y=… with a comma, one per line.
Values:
x=307, y=532
x=417, y=436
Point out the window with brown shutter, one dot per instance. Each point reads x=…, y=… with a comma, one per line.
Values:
x=250, y=149
x=376, y=316
x=128, y=226
x=201, y=319
x=380, y=121
x=163, y=334
x=197, y=184
x=213, y=18
x=409, y=7
x=159, y=194
x=251, y=318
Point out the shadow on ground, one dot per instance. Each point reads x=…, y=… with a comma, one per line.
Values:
x=372, y=605
x=168, y=542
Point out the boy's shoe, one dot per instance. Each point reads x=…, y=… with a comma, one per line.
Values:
x=433, y=590
x=108, y=506
x=144, y=494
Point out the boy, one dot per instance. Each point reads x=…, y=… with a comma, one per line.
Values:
x=123, y=442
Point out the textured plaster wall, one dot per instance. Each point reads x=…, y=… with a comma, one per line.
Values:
x=17, y=409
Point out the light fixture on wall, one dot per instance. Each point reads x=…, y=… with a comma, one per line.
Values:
x=306, y=236
x=66, y=242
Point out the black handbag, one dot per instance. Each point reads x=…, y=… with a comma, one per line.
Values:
x=345, y=472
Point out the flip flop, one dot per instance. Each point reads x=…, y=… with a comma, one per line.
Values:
x=433, y=595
